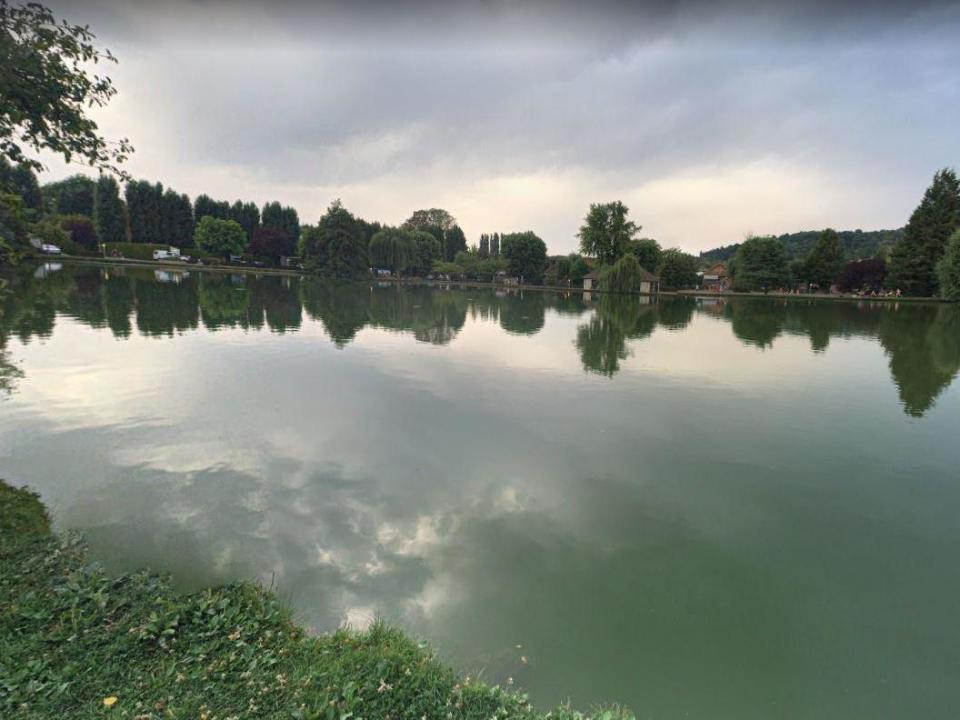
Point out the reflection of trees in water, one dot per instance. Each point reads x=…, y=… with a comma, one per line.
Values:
x=281, y=302
x=341, y=307
x=224, y=301
x=755, y=324
x=675, y=313
x=602, y=341
x=9, y=373
x=922, y=341
x=521, y=313
x=166, y=308
x=923, y=344
x=119, y=302
x=433, y=316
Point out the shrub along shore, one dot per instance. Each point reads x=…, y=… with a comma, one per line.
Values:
x=80, y=643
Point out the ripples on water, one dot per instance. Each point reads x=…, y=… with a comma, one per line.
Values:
x=740, y=508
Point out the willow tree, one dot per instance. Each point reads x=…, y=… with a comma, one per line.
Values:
x=393, y=249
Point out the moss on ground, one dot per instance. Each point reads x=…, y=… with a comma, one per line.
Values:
x=79, y=643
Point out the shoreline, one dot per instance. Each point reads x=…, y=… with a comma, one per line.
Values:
x=287, y=272
x=81, y=643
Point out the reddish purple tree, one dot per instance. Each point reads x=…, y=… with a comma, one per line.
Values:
x=866, y=274
x=271, y=242
x=81, y=231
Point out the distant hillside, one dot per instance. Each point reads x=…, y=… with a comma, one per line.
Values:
x=856, y=243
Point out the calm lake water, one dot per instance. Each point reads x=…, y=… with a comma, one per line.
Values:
x=744, y=509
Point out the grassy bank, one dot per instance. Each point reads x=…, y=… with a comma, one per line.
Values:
x=79, y=643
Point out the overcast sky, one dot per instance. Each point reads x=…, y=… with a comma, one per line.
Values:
x=709, y=120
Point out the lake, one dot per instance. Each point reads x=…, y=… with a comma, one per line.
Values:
x=744, y=508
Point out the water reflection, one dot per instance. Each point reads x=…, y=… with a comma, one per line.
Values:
x=676, y=505
x=921, y=341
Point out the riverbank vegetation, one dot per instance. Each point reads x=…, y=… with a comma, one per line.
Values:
x=80, y=643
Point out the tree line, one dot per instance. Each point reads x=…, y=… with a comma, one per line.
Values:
x=923, y=262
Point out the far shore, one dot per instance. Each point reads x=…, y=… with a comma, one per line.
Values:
x=291, y=272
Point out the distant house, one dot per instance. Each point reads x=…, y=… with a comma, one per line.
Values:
x=502, y=278
x=649, y=283
x=715, y=278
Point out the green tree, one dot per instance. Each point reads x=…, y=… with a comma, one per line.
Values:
x=13, y=228
x=247, y=215
x=205, y=205
x=428, y=250
x=109, y=213
x=647, y=251
x=914, y=258
x=677, y=269
x=484, y=245
x=578, y=268
x=21, y=180
x=825, y=260
x=948, y=269
x=760, y=264
x=70, y=196
x=184, y=225
x=272, y=215
x=454, y=241
x=335, y=246
x=495, y=245
x=220, y=237
x=606, y=231
x=143, y=212
x=624, y=276
x=290, y=223
x=432, y=218
x=526, y=255
x=47, y=86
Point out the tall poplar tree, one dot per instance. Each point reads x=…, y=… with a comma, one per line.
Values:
x=109, y=214
x=135, y=211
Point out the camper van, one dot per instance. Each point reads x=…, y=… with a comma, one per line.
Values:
x=171, y=254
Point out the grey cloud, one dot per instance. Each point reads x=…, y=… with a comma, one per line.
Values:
x=346, y=94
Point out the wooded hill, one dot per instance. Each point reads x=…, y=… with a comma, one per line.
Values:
x=856, y=244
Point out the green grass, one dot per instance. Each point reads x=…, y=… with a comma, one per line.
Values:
x=80, y=643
